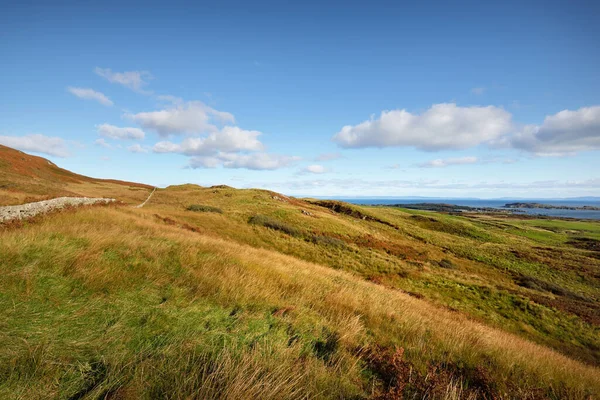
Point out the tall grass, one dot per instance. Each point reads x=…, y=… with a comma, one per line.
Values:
x=112, y=302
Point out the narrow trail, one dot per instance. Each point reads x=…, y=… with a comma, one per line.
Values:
x=144, y=203
x=27, y=210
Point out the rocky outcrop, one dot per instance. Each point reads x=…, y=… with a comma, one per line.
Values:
x=28, y=210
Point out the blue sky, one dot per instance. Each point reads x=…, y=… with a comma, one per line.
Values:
x=449, y=99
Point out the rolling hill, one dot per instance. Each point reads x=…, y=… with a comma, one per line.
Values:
x=216, y=292
x=27, y=178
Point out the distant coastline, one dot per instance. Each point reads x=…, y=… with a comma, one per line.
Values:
x=550, y=206
x=576, y=208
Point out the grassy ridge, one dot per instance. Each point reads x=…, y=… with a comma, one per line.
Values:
x=113, y=302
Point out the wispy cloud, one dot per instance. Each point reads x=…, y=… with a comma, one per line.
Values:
x=315, y=169
x=137, y=148
x=426, y=186
x=53, y=146
x=478, y=91
x=254, y=161
x=102, y=143
x=115, y=132
x=328, y=156
x=446, y=162
x=134, y=80
x=90, y=94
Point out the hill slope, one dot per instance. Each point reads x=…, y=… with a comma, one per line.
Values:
x=27, y=178
x=225, y=293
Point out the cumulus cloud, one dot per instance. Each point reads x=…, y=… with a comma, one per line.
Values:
x=446, y=162
x=254, y=161
x=443, y=126
x=193, y=117
x=229, y=147
x=315, y=169
x=102, y=143
x=137, y=148
x=212, y=140
x=228, y=139
x=134, y=80
x=53, y=146
x=90, y=94
x=566, y=132
x=328, y=157
x=115, y=132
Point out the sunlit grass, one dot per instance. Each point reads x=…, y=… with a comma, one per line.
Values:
x=113, y=302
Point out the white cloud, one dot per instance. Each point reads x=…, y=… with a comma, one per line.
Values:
x=134, y=80
x=211, y=141
x=315, y=169
x=443, y=126
x=170, y=99
x=441, y=162
x=563, y=133
x=103, y=143
x=228, y=139
x=230, y=147
x=328, y=156
x=193, y=117
x=205, y=162
x=90, y=94
x=137, y=148
x=115, y=132
x=53, y=146
x=478, y=90
x=254, y=161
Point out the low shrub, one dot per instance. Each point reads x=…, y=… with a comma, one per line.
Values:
x=445, y=263
x=531, y=282
x=203, y=208
x=327, y=241
x=272, y=223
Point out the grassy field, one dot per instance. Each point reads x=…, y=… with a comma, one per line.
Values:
x=225, y=293
x=111, y=302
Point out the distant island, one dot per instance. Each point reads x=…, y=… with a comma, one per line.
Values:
x=549, y=206
x=507, y=208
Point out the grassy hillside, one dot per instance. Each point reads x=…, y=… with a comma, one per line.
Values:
x=536, y=278
x=114, y=302
x=225, y=293
x=25, y=178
